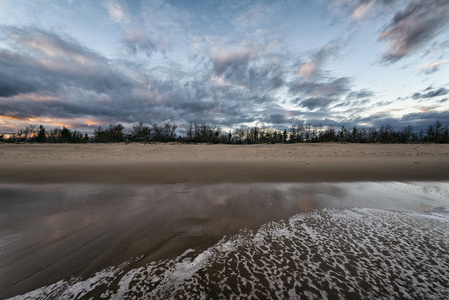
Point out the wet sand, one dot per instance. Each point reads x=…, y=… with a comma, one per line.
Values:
x=165, y=163
x=51, y=232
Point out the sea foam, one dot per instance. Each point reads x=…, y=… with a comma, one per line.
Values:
x=361, y=253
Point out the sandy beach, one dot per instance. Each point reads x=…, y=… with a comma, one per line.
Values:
x=168, y=163
x=78, y=221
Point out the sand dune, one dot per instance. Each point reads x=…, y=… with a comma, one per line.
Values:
x=166, y=163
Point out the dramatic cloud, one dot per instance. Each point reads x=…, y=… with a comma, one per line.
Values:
x=412, y=27
x=69, y=81
x=312, y=68
x=409, y=29
x=45, y=62
x=315, y=95
x=249, y=67
x=332, y=88
x=227, y=63
x=35, y=42
x=315, y=89
x=233, y=61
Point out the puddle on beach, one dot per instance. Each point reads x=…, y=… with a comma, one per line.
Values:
x=353, y=240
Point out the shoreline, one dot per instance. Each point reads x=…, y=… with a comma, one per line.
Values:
x=74, y=210
x=211, y=164
x=56, y=232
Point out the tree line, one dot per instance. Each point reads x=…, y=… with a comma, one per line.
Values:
x=39, y=134
x=206, y=133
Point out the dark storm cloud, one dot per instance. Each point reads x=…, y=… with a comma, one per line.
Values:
x=430, y=93
x=414, y=26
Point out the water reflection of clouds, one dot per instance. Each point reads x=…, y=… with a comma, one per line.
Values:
x=60, y=226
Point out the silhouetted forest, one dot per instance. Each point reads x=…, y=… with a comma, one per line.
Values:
x=205, y=133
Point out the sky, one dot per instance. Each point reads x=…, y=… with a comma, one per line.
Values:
x=88, y=63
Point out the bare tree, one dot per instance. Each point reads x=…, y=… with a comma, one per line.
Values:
x=141, y=132
x=165, y=132
x=407, y=133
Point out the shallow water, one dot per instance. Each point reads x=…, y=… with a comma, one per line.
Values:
x=349, y=240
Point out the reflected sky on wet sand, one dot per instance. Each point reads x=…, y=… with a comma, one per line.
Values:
x=53, y=232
